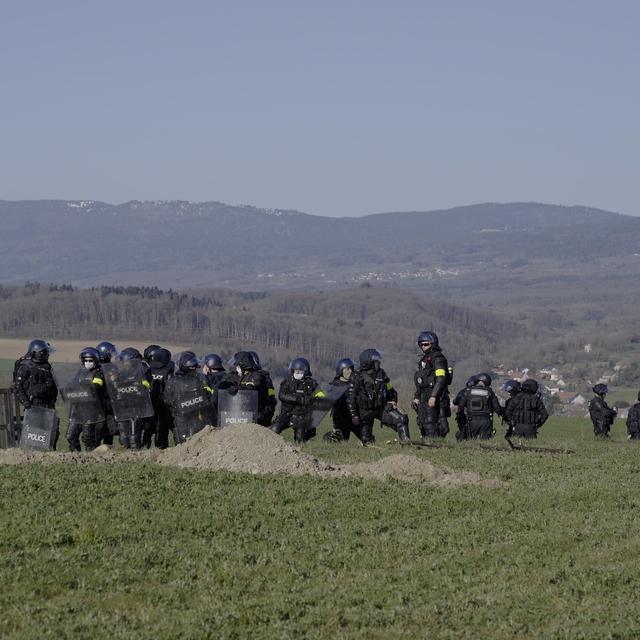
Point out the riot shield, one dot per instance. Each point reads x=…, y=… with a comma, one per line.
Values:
x=191, y=406
x=322, y=405
x=239, y=408
x=81, y=395
x=39, y=429
x=130, y=398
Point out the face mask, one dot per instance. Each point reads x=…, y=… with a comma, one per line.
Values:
x=89, y=365
x=346, y=373
x=239, y=370
x=298, y=375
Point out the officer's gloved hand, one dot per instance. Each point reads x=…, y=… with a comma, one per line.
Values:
x=355, y=421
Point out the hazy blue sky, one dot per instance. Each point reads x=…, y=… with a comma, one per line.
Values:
x=335, y=108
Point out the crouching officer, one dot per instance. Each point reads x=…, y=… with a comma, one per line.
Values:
x=633, y=421
x=214, y=372
x=602, y=415
x=371, y=396
x=526, y=413
x=81, y=420
x=297, y=393
x=34, y=383
x=432, y=384
x=342, y=425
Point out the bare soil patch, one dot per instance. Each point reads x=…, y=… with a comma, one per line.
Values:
x=256, y=450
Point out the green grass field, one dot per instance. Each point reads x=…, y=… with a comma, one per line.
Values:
x=142, y=551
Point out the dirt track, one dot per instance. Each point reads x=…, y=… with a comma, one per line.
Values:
x=256, y=450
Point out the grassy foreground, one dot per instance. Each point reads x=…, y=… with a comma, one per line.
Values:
x=133, y=550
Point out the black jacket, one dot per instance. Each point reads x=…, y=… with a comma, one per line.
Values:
x=527, y=409
x=431, y=378
x=601, y=412
x=368, y=392
x=340, y=411
x=297, y=396
x=633, y=419
x=35, y=385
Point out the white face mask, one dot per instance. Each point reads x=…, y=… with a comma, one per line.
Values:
x=239, y=370
x=89, y=365
x=298, y=375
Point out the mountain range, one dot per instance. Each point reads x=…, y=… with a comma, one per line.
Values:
x=183, y=244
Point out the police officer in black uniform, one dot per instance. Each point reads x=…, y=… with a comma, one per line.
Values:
x=107, y=351
x=513, y=388
x=633, y=421
x=526, y=412
x=602, y=415
x=89, y=374
x=371, y=396
x=460, y=401
x=247, y=374
x=479, y=405
x=342, y=425
x=297, y=393
x=161, y=368
x=432, y=384
x=34, y=384
x=214, y=371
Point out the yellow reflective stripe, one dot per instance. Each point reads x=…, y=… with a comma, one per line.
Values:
x=320, y=394
x=440, y=373
x=272, y=392
x=99, y=381
x=389, y=386
x=146, y=383
x=253, y=384
x=209, y=389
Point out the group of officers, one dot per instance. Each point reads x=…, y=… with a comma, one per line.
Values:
x=179, y=391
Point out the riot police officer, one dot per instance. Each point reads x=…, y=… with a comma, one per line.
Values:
x=371, y=396
x=601, y=414
x=633, y=421
x=513, y=388
x=342, y=425
x=90, y=376
x=34, y=383
x=248, y=375
x=432, y=382
x=161, y=367
x=107, y=351
x=214, y=371
x=297, y=393
x=479, y=405
x=526, y=412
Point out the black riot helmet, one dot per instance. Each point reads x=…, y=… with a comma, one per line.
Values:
x=600, y=389
x=344, y=363
x=107, y=351
x=245, y=361
x=39, y=350
x=427, y=340
x=370, y=359
x=300, y=364
x=188, y=361
x=485, y=378
x=256, y=359
x=147, y=354
x=471, y=382
x=530, y=386
x=512, y=387
x=89, y=353
x=214, y=362
x=161, y=357
x=128, y=354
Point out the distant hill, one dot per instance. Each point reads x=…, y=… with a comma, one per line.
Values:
x=178, y=244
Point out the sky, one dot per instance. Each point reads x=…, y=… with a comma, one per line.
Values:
x=335, y=108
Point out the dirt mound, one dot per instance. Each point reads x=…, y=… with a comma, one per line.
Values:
x=246, y=448
x=253, y=449
x=411, y=469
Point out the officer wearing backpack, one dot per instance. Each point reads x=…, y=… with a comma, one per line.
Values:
x=526, y=412
x=601, y=414
x=479, y=405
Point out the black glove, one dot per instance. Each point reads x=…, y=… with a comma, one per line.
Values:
x=355, y=421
